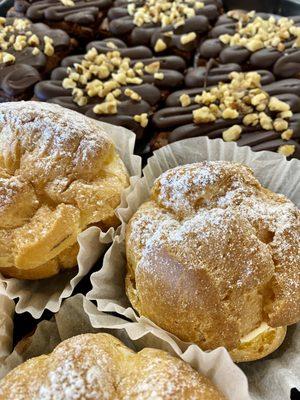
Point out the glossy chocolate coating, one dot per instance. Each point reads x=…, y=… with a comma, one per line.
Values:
x=150, y=90
x=17, y=80
x=176, y=122
x=84, y=12
x=283, y=64
x=121, y=24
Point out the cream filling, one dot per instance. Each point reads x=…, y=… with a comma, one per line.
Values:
x=264, y=327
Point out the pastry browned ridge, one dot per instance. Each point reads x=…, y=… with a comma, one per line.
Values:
x=60, y=174
x=99, y=366
x=223, y=253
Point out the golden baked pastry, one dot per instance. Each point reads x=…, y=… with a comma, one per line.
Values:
x=99, y=366
x=59, y=174
x=214, y=258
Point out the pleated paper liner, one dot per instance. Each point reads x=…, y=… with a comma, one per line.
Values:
x=272, y=170
x=7, y=308
x=77, y=315
x=37, y=296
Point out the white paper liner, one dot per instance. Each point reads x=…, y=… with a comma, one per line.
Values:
x=7, y=307
x=36, y=296
x=272, y=170
x=77, y=315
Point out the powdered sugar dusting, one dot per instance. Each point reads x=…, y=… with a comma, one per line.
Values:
x=217, y=218
x=93, y=367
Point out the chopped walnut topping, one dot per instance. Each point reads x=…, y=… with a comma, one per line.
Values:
x=7, y=58
x=280, y=125
x=68, y=3
x=233, y=133
x=188, y=37
x=109, y=107
x=251, y=119
x=203, y=114
x=33, y=40
x=35, y=51
x=255, y=33
x=111, y=45
x=16, y=36
x=102, y=76
x=241, y=98
x=153, y=67
x=132, y=94
x=265, y=121
x=185, y=100
x=287, y=150
x=160, y=45
x=278, y=105
x=159, y=76
x=68, y=83
x=142, y=119
x=164, y=12
x=230, y=113
x=48, y=49
x=287, y=135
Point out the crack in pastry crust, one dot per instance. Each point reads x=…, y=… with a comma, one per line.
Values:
x=213, y=254
x=60, y=173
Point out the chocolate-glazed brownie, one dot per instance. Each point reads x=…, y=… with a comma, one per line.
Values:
x=27, y=52
x=166, y=26
x=80, y=18
x=114, y=83
x=250, y=108
x=254, y=41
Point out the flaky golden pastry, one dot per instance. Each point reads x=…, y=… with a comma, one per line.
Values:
x=59, y=174
x=99, y=366
x=214, y=258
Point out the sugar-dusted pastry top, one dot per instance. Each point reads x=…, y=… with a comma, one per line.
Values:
x=114, y=83
x=251, y=108
x=59, y=174
x=99, y=366
x=163, y=24
x=255, y=40
x=26, y=51
x=222, y=252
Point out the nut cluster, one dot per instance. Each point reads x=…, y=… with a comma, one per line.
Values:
x=107, y=77
x=68, y=3
x=16, y=36
x=255, y=33
x=243, y=99
x=165, y=13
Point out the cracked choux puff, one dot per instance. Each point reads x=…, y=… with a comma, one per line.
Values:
x=214, y=258
x=99, y=366
x=59, y=174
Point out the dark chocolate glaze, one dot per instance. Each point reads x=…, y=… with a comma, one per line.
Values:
x=176, y=122
x=84, y=12
x=150, y=90
x=121, y=24
x=28, y=69
x=283, y=64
